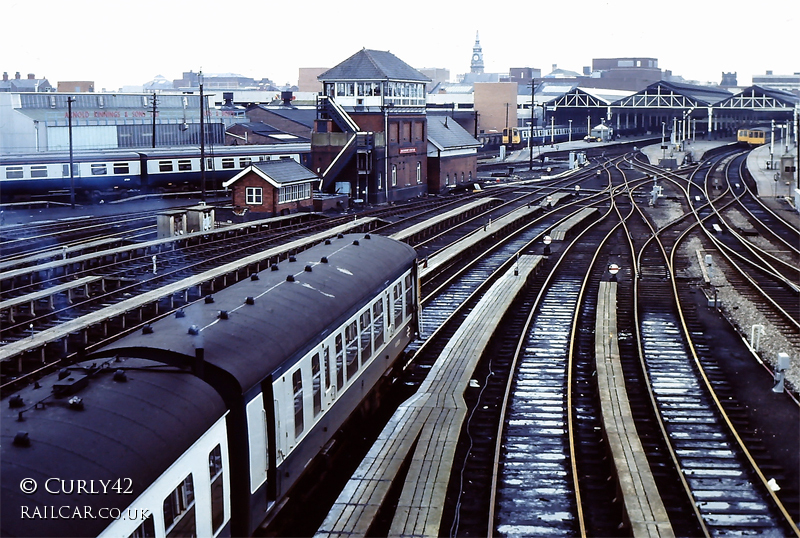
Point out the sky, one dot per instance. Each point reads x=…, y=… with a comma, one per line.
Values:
x=118, y=44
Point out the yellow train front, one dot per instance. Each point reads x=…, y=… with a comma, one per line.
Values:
x=756, y=136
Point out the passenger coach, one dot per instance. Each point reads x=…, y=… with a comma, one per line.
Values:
x=216, y=411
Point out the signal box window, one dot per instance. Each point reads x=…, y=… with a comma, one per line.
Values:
x=253, y=195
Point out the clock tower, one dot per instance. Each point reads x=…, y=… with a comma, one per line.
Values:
x=476, y=65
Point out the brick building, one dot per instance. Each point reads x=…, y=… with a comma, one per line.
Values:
x=370, y=135
x=272, y=188
x=452, y=155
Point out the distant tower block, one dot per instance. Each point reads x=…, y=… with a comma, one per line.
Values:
x=476, y=65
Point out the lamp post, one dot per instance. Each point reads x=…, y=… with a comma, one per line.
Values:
x=589, y=125
x=663, y=135
x=71, y=100
x=570, y=130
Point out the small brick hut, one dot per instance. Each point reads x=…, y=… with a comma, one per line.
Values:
x=273, y=188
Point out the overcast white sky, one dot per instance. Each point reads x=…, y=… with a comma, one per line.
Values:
x=128, y=43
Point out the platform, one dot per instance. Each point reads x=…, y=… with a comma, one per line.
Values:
x=644, y=508
x=560, y=232
x=10, y=307
x=426, y=428
x=445, y=220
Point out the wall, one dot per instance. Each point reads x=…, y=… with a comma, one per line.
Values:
x=496, y=105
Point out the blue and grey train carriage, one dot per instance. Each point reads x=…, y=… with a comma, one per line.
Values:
x=217, y=410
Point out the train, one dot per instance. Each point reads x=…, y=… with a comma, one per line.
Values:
x=148, y=170
x=204, y=422
x=755, y=136
x=517, y=137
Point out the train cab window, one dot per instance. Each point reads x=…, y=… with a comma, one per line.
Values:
x=366, y=336
x=351, y=346
x=99, y=169
x=377, y=323
x=244, y=162
x=217, y=493
x=409, y=296
x=316, y=384
x=15, y=172
x=184, y=164
x=297, y=384
x=121, y=168
x=179, y=517
x=165, y=166
x=228, y=162
x=398, y=305
x=146, y=530
x=339, y=362
x=39, y=170
x=253, y=195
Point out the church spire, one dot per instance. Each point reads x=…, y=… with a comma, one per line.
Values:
x=476, y=65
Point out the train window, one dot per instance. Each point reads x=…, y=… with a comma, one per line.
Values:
x=253, y=195
x=297, y=383
x=351, y=343
x=146, y=530
x=209, y=164
x=217, y=493
x=366, y=336
x=228, y=162
x=409, y=296
x=121, y=168
x=165, y=166
x=179, y=510
x=14, y=172
x=64, y=170
x=326, y=365
x=339, y=362
x=377, y=323
x=39, y=170
x=244, y=162
x=398, y=305
x=184, y=164
x=99, y=169
x=316, y=384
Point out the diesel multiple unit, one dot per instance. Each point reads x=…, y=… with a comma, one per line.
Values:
x=201, y=423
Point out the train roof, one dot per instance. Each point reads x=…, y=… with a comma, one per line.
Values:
x=125, y=429
x=286, y=317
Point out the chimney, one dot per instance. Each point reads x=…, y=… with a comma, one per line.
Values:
x=287, y=98
x=31, y=76
x=5, y=76
x=17, y=75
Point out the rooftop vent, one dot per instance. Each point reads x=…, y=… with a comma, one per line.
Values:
x=250, y=300
x=308, y=268
x=324, y=259
x=340, y=236
x=70, y=385
x=292, y=259
x=16, y=401
x=76, y=403
x=356, y=243
x=290, y=278
x=254, y=277
x=327, y=241
x=147, y=329
x=180, y=313
x=120, y=376
x=194, y=330
x=209, y=299
x=63, y=374
x=223, y=314
x=274, y=267
x=367, y=236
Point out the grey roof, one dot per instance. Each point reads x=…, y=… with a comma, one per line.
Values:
x=269, y=335
x=373, y=65
x=303, y=116
x=264, y=129
x=277, y=171
x=445, y=133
